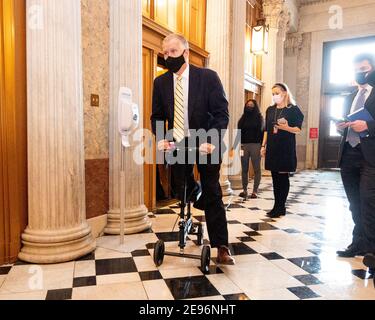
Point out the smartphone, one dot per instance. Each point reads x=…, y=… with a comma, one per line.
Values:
x=339, y=120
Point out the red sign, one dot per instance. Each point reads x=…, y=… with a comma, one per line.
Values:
x=314, y=133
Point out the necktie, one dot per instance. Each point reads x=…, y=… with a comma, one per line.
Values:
x=179, y=119
x=353, y=137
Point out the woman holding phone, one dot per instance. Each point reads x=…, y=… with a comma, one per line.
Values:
x=284, y=121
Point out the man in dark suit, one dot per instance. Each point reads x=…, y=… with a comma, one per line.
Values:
x=191, y=98
x=357, y=161
x=369, y=259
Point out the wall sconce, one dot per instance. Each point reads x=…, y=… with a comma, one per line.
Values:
x=260, y=33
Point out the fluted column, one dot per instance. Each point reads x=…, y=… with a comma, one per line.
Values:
x=218, y=45
x=57, y=230
x=276, y=15
x=125, y=71
x=237, y=82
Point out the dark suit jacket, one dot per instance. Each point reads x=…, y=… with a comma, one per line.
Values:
x=208, y=105
x=367, y=143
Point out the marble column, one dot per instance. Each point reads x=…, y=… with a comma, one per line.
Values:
x=237, y=82
x=125, y=71
x=276, y=16
x=218, y=44
x=57, y=230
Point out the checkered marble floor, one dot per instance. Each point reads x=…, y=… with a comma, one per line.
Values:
x=289, y=258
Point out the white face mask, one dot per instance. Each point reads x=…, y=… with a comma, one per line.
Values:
x=278, y=99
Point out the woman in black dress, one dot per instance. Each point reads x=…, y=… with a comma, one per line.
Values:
x=283, y=122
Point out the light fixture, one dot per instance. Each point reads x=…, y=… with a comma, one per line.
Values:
x=259, y=42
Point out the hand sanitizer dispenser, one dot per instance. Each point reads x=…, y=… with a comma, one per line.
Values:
x=128, y=115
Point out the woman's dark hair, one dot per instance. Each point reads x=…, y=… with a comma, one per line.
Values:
x=248, y=117
x=255, y=103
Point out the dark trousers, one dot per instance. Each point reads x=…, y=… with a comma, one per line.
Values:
x=212, y=195
x=251, y=151
x=281, y=187
x=358, y=177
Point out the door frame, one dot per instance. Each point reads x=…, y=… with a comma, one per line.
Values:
x=13, y=128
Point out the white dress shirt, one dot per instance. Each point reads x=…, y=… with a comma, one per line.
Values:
x=185, y=86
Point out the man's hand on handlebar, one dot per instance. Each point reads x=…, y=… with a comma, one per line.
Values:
x=207, y=148
x=165, y=145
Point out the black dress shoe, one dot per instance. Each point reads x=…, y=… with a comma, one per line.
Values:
x=275, y=213
x=351, y=252
x=369, y=261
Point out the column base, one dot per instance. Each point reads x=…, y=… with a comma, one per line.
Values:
x=56, y=246
x=226, y=188
x=236, y=182
x=136, y=221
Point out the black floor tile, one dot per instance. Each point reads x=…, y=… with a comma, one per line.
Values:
x=309, y=264
x=61, y=294
x=140, y=253
x=260, y=226
x=84, y=282
x=150, y=245
x=115, y=266
x=292, y=231
x=303, y=293
x=308, y=280
x=235, y=206
x=165, y=211
x=252, y=233
x=168, y=236
x=240, y=249
x=235, y=297
x=150, y=275
x=214, y=270
x=246, y=239
x=191, y=287
x=234, y=222
x=4, y=270
x=272, y=256
x=90, y=256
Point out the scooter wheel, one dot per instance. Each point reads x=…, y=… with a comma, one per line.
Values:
x=200, y=235
x=159, y=253
x=205, y=259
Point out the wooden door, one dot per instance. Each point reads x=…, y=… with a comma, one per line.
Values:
x=13, y=136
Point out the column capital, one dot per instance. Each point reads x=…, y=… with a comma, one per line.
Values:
x=272, y=10
x=293, y=43
x=284, y=20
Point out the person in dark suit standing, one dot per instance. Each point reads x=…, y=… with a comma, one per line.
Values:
x=191, y=98
x=357, y=161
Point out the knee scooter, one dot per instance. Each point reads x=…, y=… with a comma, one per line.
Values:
x=186, y=227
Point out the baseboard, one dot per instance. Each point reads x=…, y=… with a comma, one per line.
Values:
x=97, y=225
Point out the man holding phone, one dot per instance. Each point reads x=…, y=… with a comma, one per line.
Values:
x=357, y=161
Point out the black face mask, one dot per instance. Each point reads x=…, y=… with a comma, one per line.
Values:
x=360, y=78
x=370, y=79
x=175, y=64
x=249, y=109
